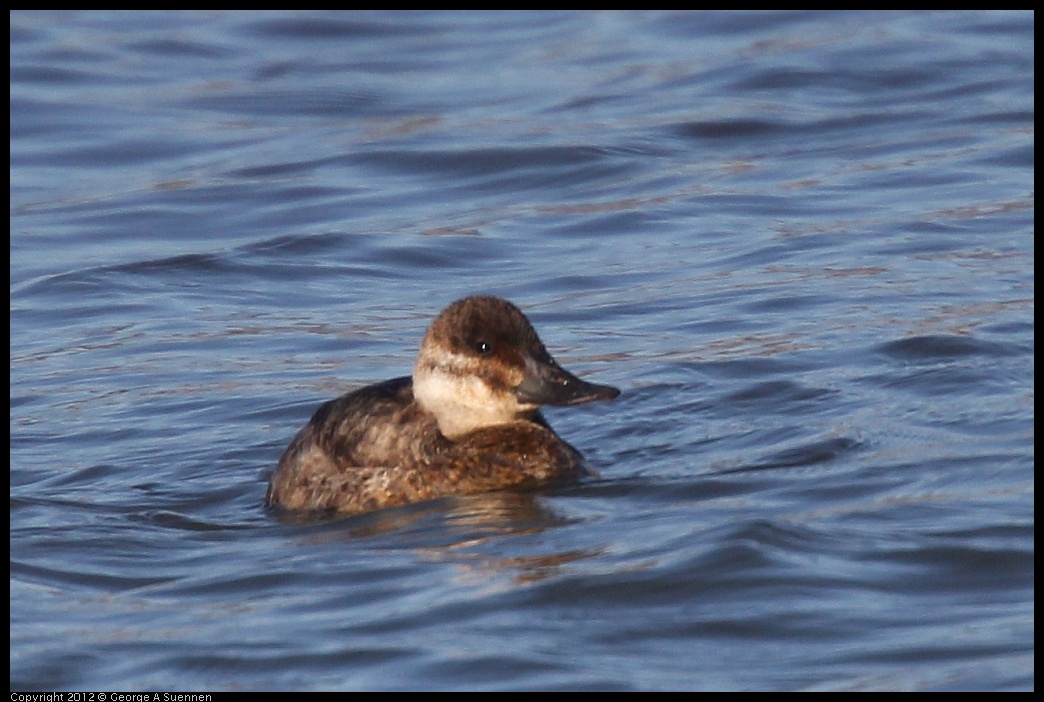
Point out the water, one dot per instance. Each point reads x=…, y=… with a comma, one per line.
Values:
x=801, y=243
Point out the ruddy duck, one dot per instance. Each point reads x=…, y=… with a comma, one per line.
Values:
x=467, y=421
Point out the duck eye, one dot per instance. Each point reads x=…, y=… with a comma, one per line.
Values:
x=484, y=348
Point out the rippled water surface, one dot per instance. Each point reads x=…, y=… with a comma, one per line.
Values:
x=800, y=243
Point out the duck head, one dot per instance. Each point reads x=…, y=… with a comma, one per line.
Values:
x=481, y=364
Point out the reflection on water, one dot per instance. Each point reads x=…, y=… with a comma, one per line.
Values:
x=467, y=532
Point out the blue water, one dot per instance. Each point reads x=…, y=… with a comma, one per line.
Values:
x=801, y=243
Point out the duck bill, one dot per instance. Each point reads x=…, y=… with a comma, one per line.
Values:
x=547, y=383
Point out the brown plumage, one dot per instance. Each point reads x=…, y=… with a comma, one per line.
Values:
x=466, y=422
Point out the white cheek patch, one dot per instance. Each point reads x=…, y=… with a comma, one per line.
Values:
x=461, y=401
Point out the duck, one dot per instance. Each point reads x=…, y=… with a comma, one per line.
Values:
x=466, y=421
